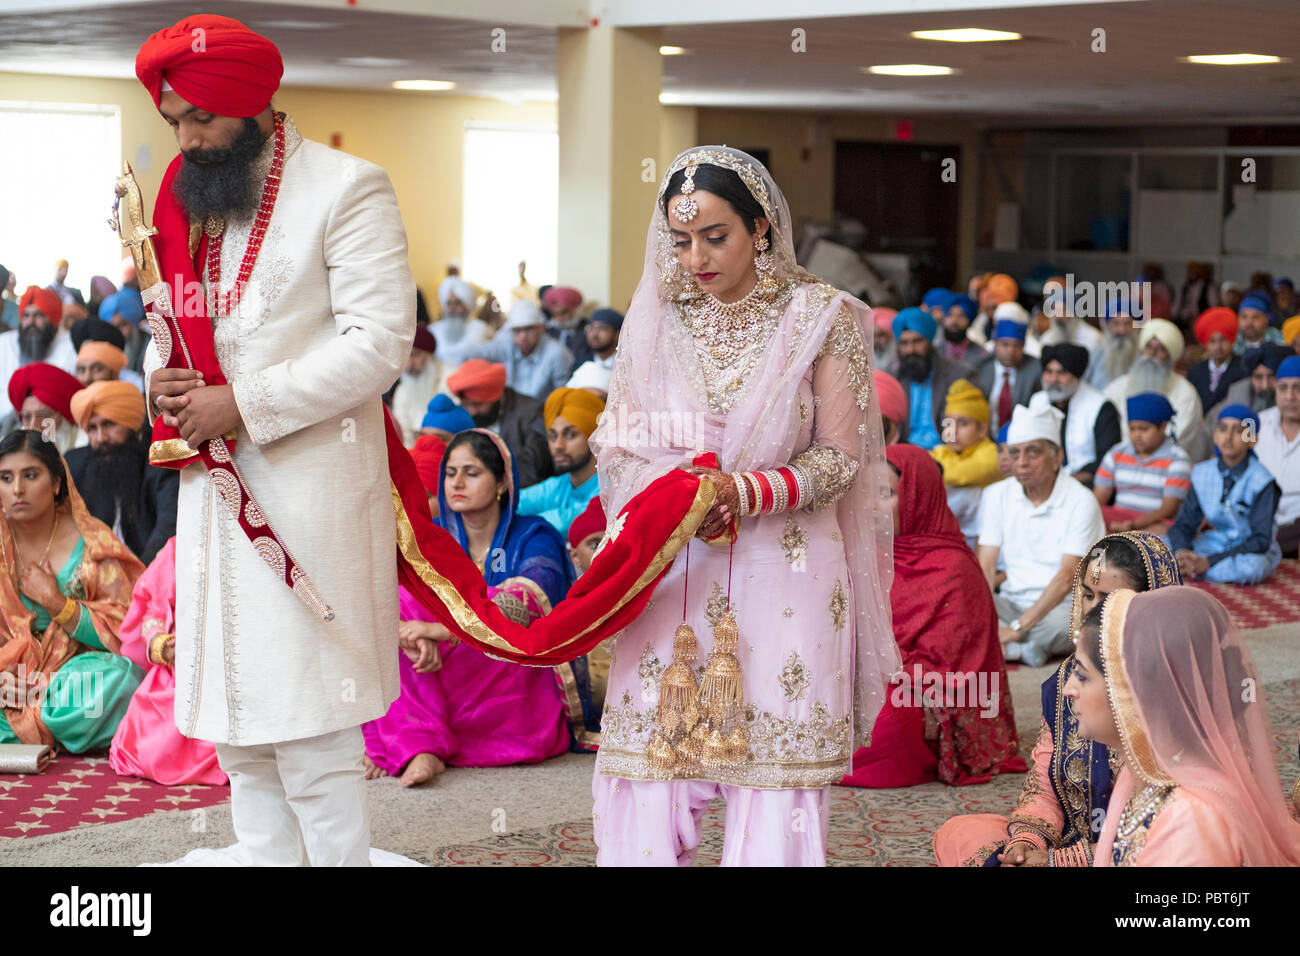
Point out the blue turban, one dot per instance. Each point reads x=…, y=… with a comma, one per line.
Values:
x=1009, y=329
x=1114, y=305
x=1002, y=433
x=128, y=304
x=1256, y=300
x=1242, y=412
x=1266, y=353
x=915, y=320
x=1290, y=368
x=965, y=303
x=610, y=317
x=1149, y=407
x=937, y=296
x=446, y=415
x=1283, y=282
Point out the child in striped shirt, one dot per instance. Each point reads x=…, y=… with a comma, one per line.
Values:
x=1148, y=475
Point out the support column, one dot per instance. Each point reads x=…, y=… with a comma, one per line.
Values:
x=609, y=115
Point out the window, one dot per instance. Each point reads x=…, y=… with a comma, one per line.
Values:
x=511, y=208
x=59, y=163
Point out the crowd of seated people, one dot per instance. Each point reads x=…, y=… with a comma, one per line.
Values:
x=1058, y=456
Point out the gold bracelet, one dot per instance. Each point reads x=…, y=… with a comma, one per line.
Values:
x=69, y=609
x=156, y=645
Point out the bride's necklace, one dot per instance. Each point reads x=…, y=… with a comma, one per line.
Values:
x=728, y=328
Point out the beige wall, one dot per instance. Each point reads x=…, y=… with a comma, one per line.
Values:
x=416, y=137
x=808, y=183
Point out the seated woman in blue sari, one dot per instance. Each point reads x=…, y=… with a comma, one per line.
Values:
x=1062, y=804
x=458, y=706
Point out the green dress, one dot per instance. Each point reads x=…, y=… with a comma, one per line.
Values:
x=88, y=696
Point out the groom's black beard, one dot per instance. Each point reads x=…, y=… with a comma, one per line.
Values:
x=220, y=181
x=34, y=342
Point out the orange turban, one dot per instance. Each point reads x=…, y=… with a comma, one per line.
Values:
x=575, y=404
x=1003, y=287
x=1218, y=319
x=52, y=386
x=105, y=353
x=43, y=299
x=119, y=402
x=478, y=380
x=214, y=63
x=1290, y=329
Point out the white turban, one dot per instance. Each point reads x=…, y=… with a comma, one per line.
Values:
x=455, y=285
x=1029, y=424
x=590, y=375
x=1168, y=334
x=1011, y=310
x=524, y=314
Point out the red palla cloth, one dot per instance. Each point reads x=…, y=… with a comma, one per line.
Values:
x=947, y=633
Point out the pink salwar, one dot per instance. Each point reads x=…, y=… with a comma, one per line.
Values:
x=658, y=823
x=474, y=711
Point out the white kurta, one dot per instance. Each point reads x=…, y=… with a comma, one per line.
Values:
x=413, y=394
x=323, y=329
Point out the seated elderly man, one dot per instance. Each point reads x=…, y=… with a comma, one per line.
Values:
x=570, y=415
x=1253, y=318
x=1216, y=330
x=1012, y=376
x=101, y=353
x=925, y=374
x=42, y=394
x=1065, y=325
x=1119, y=346
x=535, y=363
x=1257, y=391
x=113, y=473
x=561, y=304
x=481, y=389
x=425, y=376
x=456, y=333
x=38, y=337
x=1160, y=346
x=1278, y=450
x=1091, y=426
x=1040, y=523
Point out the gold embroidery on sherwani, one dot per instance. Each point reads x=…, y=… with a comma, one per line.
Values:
x=839, y=606
x=794, y=540
x=795, y=677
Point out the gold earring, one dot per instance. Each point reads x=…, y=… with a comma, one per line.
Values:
x=765, y=266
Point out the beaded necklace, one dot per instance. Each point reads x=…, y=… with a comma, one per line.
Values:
x=1138, y=813
x=223, y=303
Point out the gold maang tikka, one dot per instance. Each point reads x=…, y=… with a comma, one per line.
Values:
x=685, y=207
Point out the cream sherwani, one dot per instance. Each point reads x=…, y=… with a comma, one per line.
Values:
x=323, y=329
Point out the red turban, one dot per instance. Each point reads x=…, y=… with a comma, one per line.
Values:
x=591, y=521
x=43, y=299
x=1218, y=319
x=427, y=455
x=478, y=380
x=52, y=386
x=892, y=398
x=562, y=297
x=214, y=63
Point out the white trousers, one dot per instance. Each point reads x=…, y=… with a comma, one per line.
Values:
x=300, y=802
x=657, y=823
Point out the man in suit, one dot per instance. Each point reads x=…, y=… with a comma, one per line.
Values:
x=1216, y=329
x=1012, y=376
x=925, y=375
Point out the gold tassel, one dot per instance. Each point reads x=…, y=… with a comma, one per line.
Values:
x=737, y=746
x=722, y=692
x=659, y=754
x=715, y=750
x=678, y=687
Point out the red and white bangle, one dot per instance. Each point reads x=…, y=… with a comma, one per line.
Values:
x=742, y=491
x=776, y=490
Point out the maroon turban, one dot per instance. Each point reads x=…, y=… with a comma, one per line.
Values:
x=52, y=386
x=424, y=340
x=43, y=299
x=562, y=297
x=214, y=63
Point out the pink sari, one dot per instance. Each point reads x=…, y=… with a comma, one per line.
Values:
x=147, y=743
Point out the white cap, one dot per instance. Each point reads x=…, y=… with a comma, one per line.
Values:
x=590, y=375
x=1032, y=423
x=1013, y=311
x=524, y=314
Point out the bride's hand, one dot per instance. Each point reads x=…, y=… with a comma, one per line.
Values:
x=726, y=502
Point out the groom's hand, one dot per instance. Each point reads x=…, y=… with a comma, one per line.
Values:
x=210, y=412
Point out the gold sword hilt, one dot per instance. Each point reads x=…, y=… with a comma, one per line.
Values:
x=128, y=221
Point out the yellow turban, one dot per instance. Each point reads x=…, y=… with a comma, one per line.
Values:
x=966, y=400
x=1290, y=329
x=105, y=353
x=576, y=405
x=119, y=402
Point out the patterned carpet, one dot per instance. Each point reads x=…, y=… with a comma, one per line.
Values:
x=1276, y=601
